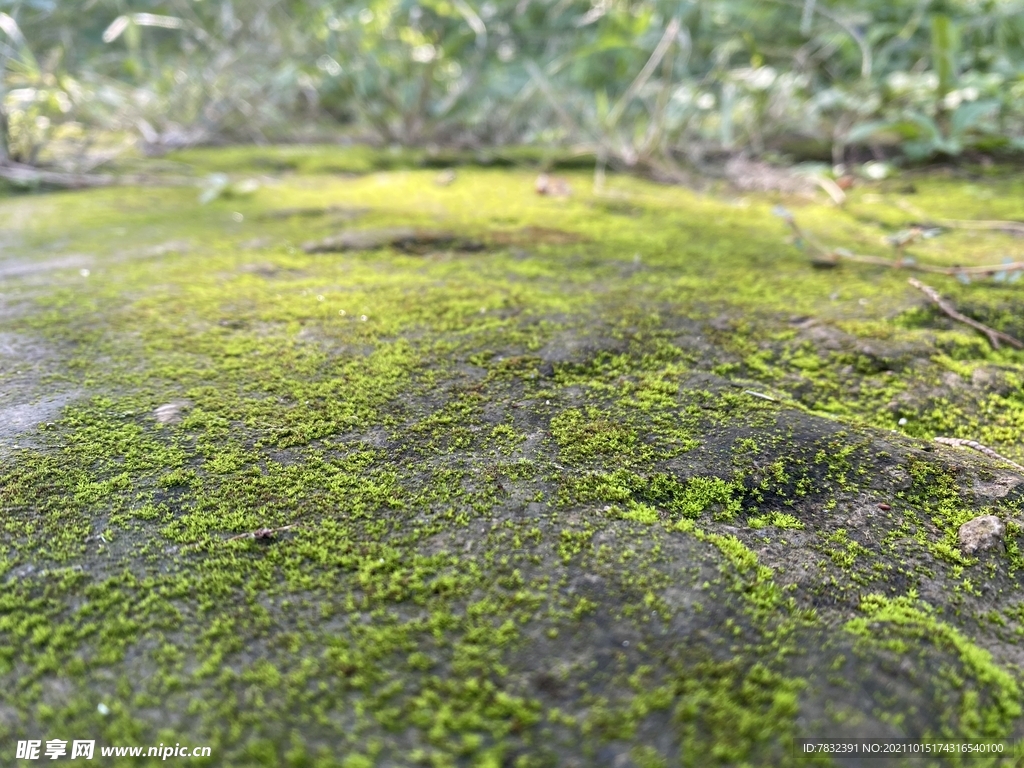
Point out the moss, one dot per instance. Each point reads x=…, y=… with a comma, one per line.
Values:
x=584, y=436
x=703, y=493
x=436, y=438
x=934, y=491
x=642, y=513
x=842, y=549
x=775, y=519
x=907, y=616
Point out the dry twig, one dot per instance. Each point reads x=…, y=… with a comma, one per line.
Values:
x=1016, y=227
x=832, y=189
x=994, y=336
x=262, y=533
x=761, y=395
x=822, y=256
x=28, y=175
x=960, y=443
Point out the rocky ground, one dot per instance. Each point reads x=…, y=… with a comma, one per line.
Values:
x=392, y=469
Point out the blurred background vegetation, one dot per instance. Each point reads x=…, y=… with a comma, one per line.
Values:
x=652, y=85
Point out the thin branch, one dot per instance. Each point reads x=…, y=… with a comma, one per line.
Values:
x=761, y=395
x=599, y=172
x=807, y=17
x=262, y=533
x=830, y=257
x=994, y=336
x=414, y=118
x=960, y=443
x=1016, y=227
x=27, y=175
x=474, y=21
x=545, y=87
x=858, y=38
x=645, y=74
x=30, y=176
x=834, y=190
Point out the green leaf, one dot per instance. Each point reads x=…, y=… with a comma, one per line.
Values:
x=865, y=131
x=601, y=104
x=972, y=116
x=929, y=129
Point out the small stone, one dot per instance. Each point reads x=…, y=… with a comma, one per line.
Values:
x=169, y=413
x=981, y=533
x=552, y=186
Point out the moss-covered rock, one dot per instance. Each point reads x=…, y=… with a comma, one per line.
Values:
x=631, y=485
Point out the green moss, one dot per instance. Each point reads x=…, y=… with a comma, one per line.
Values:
x=934, y=492
x=642, y=513
x=440, y=487
x=582, y=437
x=704, y=493
x=843, y=550
x=907, y=617
x=775, y=519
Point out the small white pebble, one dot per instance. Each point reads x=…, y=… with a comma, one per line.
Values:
x=625, y=643
x=103, y=709
x=168, y=413
x=83, y=272
x=902, y=422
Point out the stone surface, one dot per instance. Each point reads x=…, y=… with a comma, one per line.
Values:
x=981, y=533
x=409, y=239
x=535, y=515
